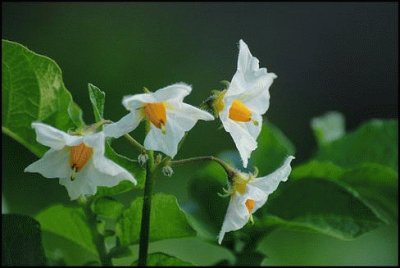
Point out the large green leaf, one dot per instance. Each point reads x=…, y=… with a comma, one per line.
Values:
x=21, y=242
x=375, y=141
x=97, y=98
x=273, y=148
x=377, y=187
x=69, y=223
x=318, y=205
x=61, y=251
x=374, y=184
x=162, y=259
x=33, y=90
x=166, y=217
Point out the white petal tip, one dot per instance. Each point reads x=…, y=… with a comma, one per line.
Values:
x=290, y=158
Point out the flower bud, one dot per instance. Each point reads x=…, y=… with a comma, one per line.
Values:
x=167, y=171
x=142, y=159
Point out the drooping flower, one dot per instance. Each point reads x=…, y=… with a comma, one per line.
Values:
x=248, y=194
x=77, y=160
x=241, y=106
x=168, y=115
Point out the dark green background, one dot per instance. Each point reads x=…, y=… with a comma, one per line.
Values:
x=328, y=56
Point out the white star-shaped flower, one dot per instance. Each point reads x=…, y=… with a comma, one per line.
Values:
x=248, y=194
x=242, y=105
x=170, y=117
x=78, y=161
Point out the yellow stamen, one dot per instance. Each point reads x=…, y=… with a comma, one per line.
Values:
x=250, y=205
x=239, y=112
x=157, y=114
x=79, y=156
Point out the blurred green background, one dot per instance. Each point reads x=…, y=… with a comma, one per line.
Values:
x=328, y=56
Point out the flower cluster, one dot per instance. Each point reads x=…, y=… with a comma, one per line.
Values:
x=78, y=160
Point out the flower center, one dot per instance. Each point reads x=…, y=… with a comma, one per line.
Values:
x=156, y=113
x=250, y=205
x=239, y=112
x=79, y=156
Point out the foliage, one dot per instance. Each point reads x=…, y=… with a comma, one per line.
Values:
x=168, y=220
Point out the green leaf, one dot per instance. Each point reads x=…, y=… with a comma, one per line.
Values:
x=21, y=242
x=69, y=223
x=318, y=205
x=375, y=141
x=61, y=251
x=317, y=169
x=107, y=207
x=166, y=217
x=328, y=127
x=273, y=148
x=162, y=259
x=97, y=98
x=33, y=90
x=375, y=185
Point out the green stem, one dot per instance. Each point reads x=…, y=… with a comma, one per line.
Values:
x=228, y=169
x=98, y=239
x=135, y=143
x=145, y=225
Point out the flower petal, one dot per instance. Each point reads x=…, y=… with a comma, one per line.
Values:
x=175, y=92
x=108, y=167
x=186, y=115
x=257, y=195
x=269, y=183
x=164, y=142
x=125, y=125
x=96, y=141
x=53, y=164
x=54, y=138
x=251, y=82
x=78, y=187
x=242, y=136
x=236, y=216
x=257, y=97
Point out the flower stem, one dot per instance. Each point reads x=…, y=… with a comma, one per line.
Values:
x=228, y=169
x=135, y=143
x=145, y=225
x=98, y=239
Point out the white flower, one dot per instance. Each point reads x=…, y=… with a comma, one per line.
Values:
x=78, y=161
x=247, y=194
x=170, y=118
x=247, y=98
